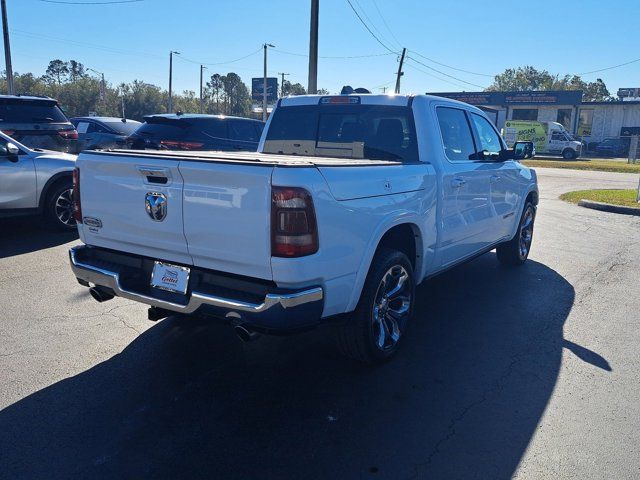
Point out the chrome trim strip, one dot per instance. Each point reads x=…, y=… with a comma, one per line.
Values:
x=109, y=279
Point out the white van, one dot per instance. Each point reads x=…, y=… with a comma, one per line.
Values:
x=548, y=137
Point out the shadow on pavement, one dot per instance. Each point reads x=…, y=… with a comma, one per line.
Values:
x=29, y=234
x=187, y=399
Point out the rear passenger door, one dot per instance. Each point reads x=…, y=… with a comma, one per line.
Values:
x=243, y=135
x=466, y=206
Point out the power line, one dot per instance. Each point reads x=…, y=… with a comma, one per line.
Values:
x=220, y=63
x=84, y=44
x=443, y=73
x=337, y=56
x=371, y=22
x=610, y=68
x=435, y=76
x=368, y=29
x=375, y=4
x=452, y=68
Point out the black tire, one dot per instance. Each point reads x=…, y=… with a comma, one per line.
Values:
x=360, y=335
x=58, y=208
x=568, y=154
x=516, y=251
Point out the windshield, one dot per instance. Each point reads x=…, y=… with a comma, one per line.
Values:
x=345, y=131
x=125, y=128
x=30, y=111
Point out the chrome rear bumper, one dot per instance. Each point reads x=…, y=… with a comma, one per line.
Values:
x=280, y=311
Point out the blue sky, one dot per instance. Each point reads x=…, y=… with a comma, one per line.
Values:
x=132, y=41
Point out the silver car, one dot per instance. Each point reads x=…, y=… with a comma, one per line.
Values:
x=36, y=182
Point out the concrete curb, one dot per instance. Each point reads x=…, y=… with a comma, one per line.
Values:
x=607, y=207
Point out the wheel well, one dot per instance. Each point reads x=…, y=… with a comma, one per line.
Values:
x=405, y=238
x=532, y=197
x=50, y=185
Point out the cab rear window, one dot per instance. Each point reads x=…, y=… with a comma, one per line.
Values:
x=345, y=131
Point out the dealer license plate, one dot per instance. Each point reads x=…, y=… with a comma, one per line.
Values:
x=169, y=277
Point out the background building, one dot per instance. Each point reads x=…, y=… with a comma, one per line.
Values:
x=592, y=121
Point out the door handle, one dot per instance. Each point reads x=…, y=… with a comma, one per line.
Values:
x=458, y=182
x=495, y=178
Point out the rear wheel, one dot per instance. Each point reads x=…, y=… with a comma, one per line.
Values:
x=516, y=251
x=59, y=206
x=373, y=332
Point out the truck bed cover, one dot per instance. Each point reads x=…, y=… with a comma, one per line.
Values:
x=254, y=158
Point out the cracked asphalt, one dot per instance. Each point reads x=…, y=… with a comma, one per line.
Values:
x=529, y=373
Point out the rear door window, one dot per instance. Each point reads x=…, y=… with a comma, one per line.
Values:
x=30, y=111
x=456, y=134
x=488, y=138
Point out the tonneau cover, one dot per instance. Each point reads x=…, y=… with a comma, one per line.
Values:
x=267, y=159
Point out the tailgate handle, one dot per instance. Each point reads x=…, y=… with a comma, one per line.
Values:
x=158, y=176
x=156, y=179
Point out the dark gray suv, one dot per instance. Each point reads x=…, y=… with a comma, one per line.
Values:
x=37, y=122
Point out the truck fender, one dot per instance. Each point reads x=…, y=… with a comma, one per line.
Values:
x=398, y=218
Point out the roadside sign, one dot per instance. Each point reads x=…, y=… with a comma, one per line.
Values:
x=272, y=89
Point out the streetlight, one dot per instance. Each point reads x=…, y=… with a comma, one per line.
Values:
x=202, y=67
x=103, y=95
x=264, y=84
x=170, y=77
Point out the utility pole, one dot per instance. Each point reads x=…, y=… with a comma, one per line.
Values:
x=264, y=83
x=282, y=84
x=7, y=48
x=171, y=78
x=384, y=89
x=202, y=67
x=312, y=87
x=400, y=72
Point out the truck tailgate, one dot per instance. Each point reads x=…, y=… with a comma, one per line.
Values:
x=227, y=216
x=114, y=191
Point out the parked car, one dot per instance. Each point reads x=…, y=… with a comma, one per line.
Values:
x=103, y=132
x=37, y=122
x=197, y=132
x=614, y=147
x=34, y=181
x=350, y=203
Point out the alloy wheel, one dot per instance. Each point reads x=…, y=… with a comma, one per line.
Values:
x=392, y=307
x=64, y=208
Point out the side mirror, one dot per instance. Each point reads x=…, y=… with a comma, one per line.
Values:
x=12, y=149
x=520, y=151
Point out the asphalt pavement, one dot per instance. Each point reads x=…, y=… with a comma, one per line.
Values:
x=532, y=372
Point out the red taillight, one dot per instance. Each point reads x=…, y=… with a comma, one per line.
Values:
x=8, y=132
x=294, y=231
x=181, y=145
x=68, y=134
x=77, y=208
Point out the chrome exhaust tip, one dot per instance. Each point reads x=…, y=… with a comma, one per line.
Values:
x=100, y=294
x=245, y=334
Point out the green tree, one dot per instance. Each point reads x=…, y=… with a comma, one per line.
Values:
x=215, y=87
x=236, y=93
x=529, y=78
x=289, y=88
x=57, y=72
x=76, y=70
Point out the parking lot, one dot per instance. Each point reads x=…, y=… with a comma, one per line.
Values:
x=530, y=372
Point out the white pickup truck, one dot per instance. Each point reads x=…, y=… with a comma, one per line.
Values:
x=349, y=203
